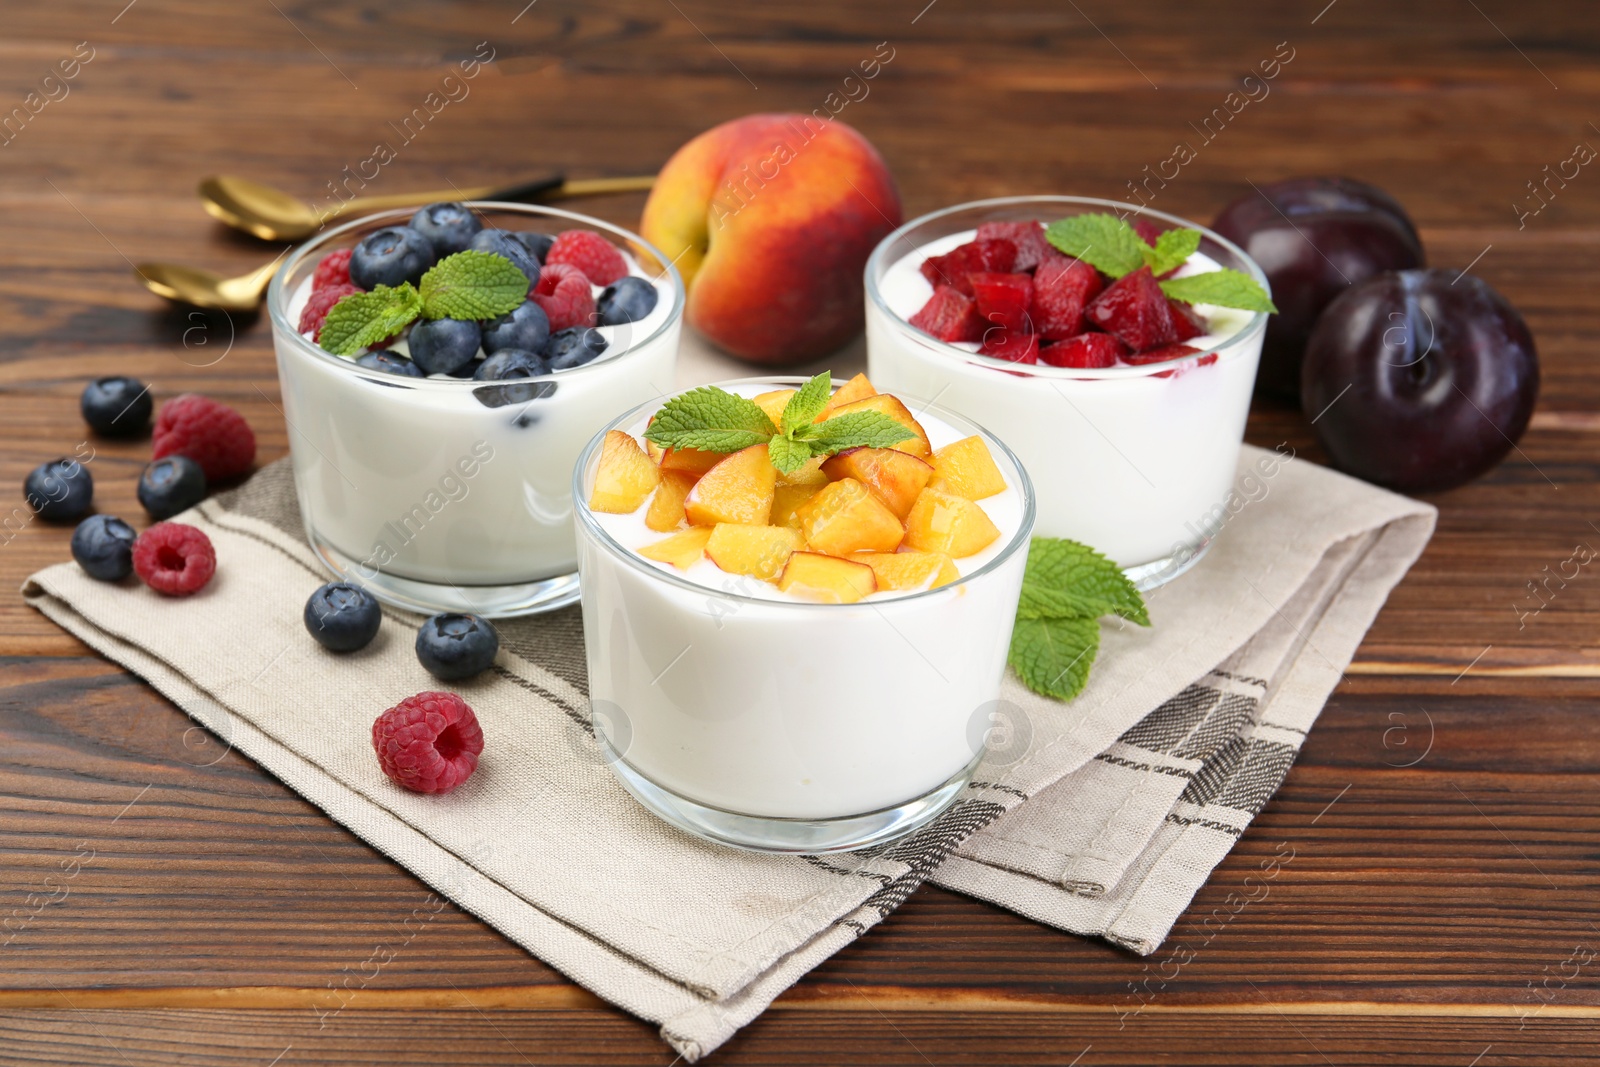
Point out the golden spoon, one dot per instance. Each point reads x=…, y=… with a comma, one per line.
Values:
x=205, y=289
x=273, y=215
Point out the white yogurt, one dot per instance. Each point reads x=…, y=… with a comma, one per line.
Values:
x=739, y=697
x=1133, y=461
x=418, y=479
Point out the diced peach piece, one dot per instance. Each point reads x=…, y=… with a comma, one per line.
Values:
x=759, y=551
x=808, y=473
x=682, y=550
x=738, y=489
x=655, y=452
x=966, y=468
x=888, y=405
x=828, y=579
x=857, y=388
x=910, y=570
x=774, y=402
x=944, y=522
x=666, y=507
x=690, y=460
x=625, y=476
x=844, y=517
x=786, y=501
x=894, y=477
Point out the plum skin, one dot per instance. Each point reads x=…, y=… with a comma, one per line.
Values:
x=1441, y=372
x=1314, y=238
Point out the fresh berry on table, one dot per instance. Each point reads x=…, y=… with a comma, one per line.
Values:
x=428, y=743
x=60, y=490
x=210, y=433
x=342, y=616
x=626, y=300
x=449, y=227
x=103, y=547
x=592, y=254
x=170, y=485
x=452, y=647
x=174, y=559
x=444, y=346
x=117, y=406
x=390, y=256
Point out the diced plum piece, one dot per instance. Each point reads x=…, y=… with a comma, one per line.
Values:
x=1062, y=288
x=1134, y=309
x=1087, y=350
x=1010, y=346
x=949, y=316
x=1004, y=299
x=974, y=257
x=1028, y=237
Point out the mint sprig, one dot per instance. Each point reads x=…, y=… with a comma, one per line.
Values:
x=714, y=420
x=1113, y=247
x=1066, y=588
x=467, y=285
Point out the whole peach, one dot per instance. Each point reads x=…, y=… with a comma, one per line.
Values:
x=770, y=219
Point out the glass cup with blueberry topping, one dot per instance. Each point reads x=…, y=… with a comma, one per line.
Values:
x=441, y=371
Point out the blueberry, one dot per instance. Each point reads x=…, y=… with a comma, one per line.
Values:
x=390, y=256
x=59, y=490
x=116, y=407
x=509, y=364
x=537, y=243
x=449, y=227
x=171, y=485
x=342, y=617
x=527, y=327
x=444, y=346
x=390, y=362
x=453, y=647
x=505, y=243
x=573, y=347
x=626, y=300
x=103, y=547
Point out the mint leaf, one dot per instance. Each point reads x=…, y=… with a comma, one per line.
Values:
x=1172, y=249
x=472, y=285
x=787, y=454
x=804, y=407
x=1103, y=241
x=1053, y=656
x=1224, y=288
x=854, y=429
x=1065, y=579
x=362, y=319
x=710, y=419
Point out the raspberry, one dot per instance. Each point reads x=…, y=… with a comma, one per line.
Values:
x=1028, y=237
x=333, y=270
x=1062, y=288
x=1010, y=345
x=428, y=743
x=595, y=256
x=1135, y=309
x=949, y=316
x=212, y=434
x=993, y=256
x=319, y=304
x=1084, y=350
x=564, y=294
x=174, y=559
x=1003, y=299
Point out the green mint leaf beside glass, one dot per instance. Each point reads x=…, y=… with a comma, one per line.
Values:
x=1066, y=588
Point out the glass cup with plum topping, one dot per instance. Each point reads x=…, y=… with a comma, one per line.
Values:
x=1115, y=349
x=797, y=633
x=441, y=371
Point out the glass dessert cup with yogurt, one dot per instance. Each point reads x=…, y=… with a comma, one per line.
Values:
x=449, y=494
x=749, y=716
x=1136, y=461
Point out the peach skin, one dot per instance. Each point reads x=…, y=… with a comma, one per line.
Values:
x=770, y=219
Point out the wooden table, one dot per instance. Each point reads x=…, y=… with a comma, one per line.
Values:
x=163, y=900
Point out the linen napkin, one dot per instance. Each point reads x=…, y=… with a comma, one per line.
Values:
x=1102, y=816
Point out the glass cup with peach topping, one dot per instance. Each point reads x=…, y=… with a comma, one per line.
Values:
x=797, y=601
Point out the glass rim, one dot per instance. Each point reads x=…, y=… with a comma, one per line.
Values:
x=602, y=536
x=878, y=262
x=277, y=296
